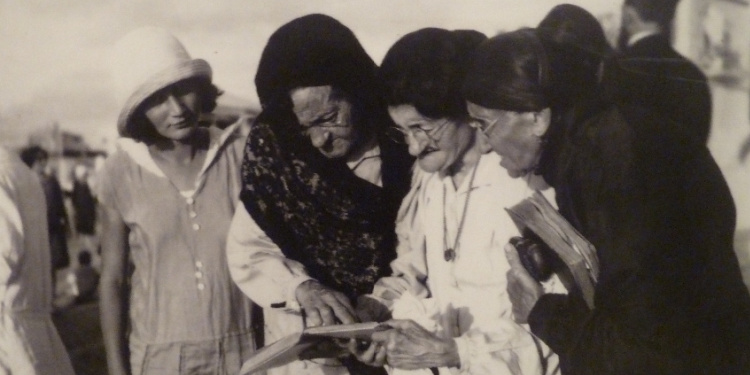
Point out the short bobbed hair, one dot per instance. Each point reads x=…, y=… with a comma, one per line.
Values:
x=426, y=69
x=141, y=129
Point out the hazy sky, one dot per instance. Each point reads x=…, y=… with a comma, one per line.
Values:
x=54, y=55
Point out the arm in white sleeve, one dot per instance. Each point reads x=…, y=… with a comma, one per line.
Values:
x=258, y=266
x=506, y=349
x=500, y=345
x=409, y=269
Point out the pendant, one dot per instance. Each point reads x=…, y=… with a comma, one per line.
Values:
x=449, y=255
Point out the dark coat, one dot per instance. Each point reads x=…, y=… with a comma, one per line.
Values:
x=57, y=222
x=84, y=205
x=651, y=73
x=670, y=297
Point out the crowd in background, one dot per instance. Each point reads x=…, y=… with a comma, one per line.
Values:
x=366, y=192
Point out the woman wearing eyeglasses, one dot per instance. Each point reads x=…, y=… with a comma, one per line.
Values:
x=650, y=198
x=447, y=291
x=321, y=186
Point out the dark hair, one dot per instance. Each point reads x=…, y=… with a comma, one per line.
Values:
x=573, y=26
x=509, y=72
x=521, y=71
x=317, y=50
x=84, y=258
x=30, y=155
x=426, y=68
x=659, y=11
x=141, y=129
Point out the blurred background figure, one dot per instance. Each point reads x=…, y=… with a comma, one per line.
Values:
x=84, y=279
x=57, y=219
x=29, y=343
x=653, y=74
x=84, y=205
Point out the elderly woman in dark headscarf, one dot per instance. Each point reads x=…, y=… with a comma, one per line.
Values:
x=669, y=297
x=321, y=184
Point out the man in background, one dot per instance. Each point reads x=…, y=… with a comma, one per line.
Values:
x=652, y=74
x=84, y=206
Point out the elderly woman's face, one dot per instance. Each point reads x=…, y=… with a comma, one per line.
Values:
x=436, y=143
x=515, y=136
x=326, y=119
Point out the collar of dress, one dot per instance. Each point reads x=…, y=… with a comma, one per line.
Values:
x=138, y=151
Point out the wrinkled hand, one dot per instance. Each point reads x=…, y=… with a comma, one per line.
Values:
x=323, y=305
x=407, y=346
x=523, y=290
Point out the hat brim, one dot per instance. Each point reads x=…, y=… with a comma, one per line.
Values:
x=187, y=69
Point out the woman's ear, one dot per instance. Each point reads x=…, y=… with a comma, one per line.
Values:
x=482, y=140
x=542, y=120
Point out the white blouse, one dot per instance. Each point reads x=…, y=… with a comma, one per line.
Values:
x=464, y=298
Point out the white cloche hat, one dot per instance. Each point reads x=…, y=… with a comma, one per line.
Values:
x=147, y=60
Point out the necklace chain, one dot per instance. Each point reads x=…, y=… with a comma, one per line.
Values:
x=360, y=161
x=449, y=254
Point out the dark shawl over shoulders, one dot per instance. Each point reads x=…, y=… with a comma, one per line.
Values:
x=670, y=297
x=340, y=227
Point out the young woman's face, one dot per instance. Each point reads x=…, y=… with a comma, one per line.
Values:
x=174, y=110
x=436, y=143
x=512, y=135
x=326, y=119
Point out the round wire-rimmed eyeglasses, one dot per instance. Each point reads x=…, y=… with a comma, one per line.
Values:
x=401, y=135
x=327, y=122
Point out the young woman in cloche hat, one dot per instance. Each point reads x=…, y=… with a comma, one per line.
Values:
x=169, y=193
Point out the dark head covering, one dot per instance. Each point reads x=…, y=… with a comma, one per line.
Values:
x=509, y=72
x=315, y=50
x=574, y=26
x=426, y=68
x=523, y=71
x=319, y=213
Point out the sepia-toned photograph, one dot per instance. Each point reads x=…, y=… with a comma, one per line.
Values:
x=374, y=187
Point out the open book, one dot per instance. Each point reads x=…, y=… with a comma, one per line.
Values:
x=536, y=215
x=289, y=348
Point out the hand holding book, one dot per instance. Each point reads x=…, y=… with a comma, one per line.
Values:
x=555, y=245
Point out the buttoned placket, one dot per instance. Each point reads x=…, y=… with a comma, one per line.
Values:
x=196, y=227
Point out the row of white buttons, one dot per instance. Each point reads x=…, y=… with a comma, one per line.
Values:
x=198, y=263
x=199, y=274
x=193, y=214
